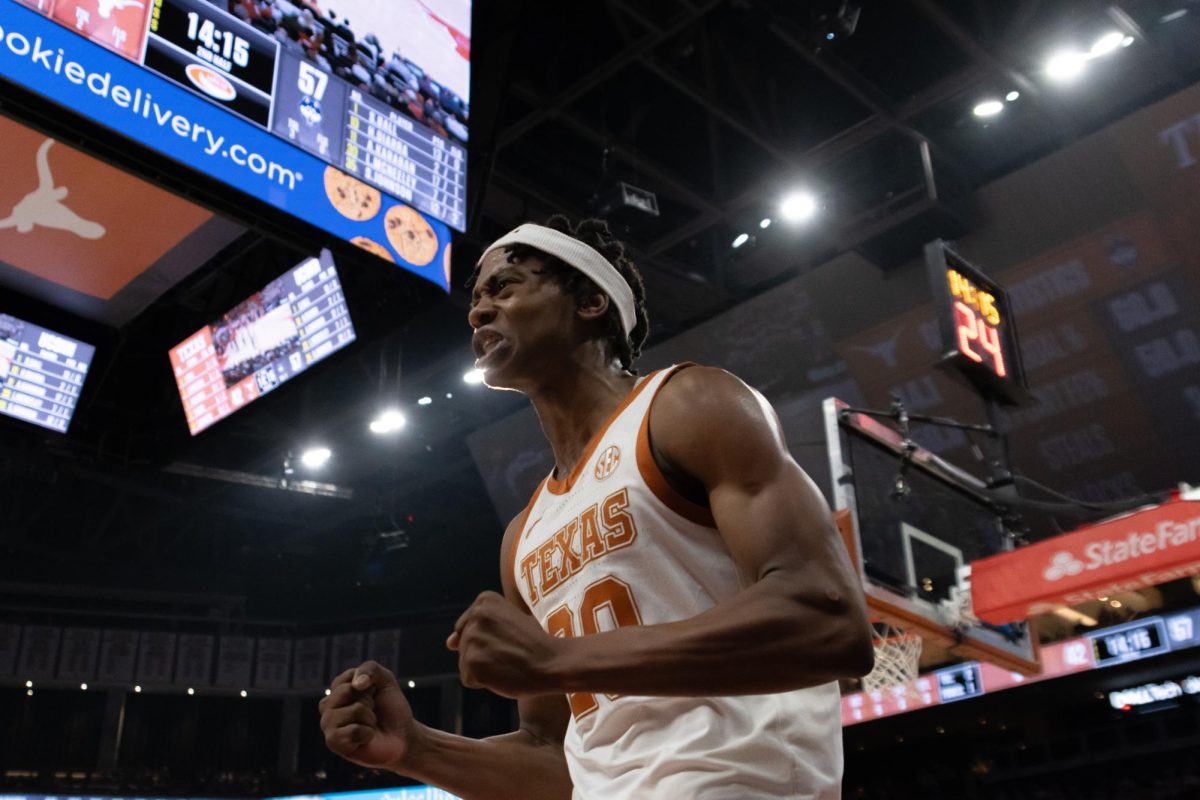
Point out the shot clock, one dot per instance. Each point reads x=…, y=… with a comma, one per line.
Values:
x=979, y=334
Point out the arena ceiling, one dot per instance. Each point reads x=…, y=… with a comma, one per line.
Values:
x=718, y=107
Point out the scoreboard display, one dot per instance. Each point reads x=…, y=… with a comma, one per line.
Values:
x=978, y=328
x=41, y=373
x=1129, y=642
x=296, y=320
x=357, y=123
x=202, y=48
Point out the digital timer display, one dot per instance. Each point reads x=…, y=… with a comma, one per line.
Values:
x=978, y=330
x=976, y=323
x=198, y=46
x=1129, y=642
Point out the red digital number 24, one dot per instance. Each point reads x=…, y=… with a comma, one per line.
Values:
x=971, y=329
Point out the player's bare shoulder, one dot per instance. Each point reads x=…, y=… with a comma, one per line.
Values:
x=706, y=420
x=705, y=397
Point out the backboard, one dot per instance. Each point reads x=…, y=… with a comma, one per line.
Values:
x=913, y=524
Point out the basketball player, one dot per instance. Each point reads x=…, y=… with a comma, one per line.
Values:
x=677, y=604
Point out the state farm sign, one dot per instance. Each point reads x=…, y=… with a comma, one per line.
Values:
x=1141, y=549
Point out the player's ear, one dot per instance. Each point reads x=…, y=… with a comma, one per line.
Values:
x=593, y=306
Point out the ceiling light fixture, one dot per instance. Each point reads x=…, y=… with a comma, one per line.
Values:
x=1011, y=96
x=1174, y=15
x=389, y=421
x=741, y=239
x=424, y=401
x=764, y=223
x=316, y=457
x=1107, y=43
x=1066, y=65
x=988, y=108
x=473, y=377
x=798, y=207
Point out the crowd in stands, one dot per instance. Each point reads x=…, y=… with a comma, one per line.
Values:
x=329, y=41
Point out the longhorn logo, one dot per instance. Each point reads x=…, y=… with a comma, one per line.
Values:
x=106, y=7
x=885, y=351
x=43, y=206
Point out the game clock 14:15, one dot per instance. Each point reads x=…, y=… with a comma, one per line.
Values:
x=193, y=32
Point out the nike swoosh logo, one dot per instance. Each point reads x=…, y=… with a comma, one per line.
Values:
x=529, y=528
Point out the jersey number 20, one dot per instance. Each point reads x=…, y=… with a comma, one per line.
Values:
x=607, y=597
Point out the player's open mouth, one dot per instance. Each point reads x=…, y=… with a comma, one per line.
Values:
x=483, y=341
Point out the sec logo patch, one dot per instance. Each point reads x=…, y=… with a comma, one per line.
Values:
x=607, y=463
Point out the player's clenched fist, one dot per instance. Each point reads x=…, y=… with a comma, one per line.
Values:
x=366, y=718
x=504, y=649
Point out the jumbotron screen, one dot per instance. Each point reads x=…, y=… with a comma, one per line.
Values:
x=351, y=115
x=41, y=373
x=295, y=321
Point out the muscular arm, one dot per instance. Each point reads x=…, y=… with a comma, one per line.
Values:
x=801, y=619
x=363, y=725
x=527, y=763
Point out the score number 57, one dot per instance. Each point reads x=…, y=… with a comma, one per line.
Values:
x=973, y=332
x=311, y=81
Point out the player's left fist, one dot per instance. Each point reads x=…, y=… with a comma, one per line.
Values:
x=503, y=649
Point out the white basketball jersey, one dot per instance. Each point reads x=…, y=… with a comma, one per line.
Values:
x=614, y=545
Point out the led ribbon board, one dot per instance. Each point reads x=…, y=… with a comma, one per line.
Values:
x=41, y=373
x=323, y=126
x=979, y=333
x=296, y=320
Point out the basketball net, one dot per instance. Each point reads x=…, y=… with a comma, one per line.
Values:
x=897, y=658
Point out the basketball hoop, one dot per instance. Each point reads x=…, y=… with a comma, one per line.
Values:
x=897, y=658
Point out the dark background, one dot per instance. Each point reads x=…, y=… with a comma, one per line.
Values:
x=1078, y=198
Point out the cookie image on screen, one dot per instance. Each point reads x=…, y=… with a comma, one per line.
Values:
x=372, y=246
x=413, y=237
x=351, y=197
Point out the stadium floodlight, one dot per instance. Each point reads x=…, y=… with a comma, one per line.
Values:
x=988, y=108
x=798, y=207
x=1107, y=43
x=1066, y=65
x=389, y=421
x=315, y=457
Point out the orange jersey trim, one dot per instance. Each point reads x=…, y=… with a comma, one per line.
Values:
x=521, y=531
x=657, y=482
x=555, y=486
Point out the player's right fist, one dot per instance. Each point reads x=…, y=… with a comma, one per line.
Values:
x=366, y=718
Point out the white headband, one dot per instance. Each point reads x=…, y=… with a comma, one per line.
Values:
x=580, y=256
